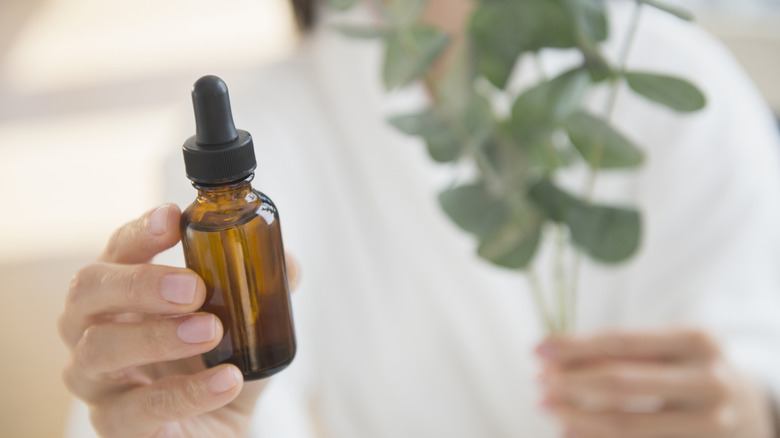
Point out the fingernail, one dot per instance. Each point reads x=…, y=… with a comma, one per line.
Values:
x=223, y=380
x=179, y=288
x=197, y=329
x=570, y=434
x=158, y=221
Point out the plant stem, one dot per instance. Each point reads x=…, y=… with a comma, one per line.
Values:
x=539, y=302
x=609, y=112
x=560, y=278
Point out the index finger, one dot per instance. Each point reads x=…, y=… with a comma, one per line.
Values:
x=675, y=344
x=141, y=239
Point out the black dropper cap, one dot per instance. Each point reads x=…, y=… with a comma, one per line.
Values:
x=218, y=152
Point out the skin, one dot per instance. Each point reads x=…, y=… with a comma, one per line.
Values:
x=661, y=384
x=135, y=337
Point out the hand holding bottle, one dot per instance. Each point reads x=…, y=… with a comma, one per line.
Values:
x=136, y=343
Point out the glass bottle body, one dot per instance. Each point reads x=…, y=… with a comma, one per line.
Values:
x=232, y=238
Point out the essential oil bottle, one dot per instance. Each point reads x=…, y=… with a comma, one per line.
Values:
x=232, y=239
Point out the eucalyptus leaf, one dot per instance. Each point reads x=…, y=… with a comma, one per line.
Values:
x=511, y=163
x=511, y=246
x=537, y=110
x=474, y=209
x=595, y=62
x=537, y=113
x=554, y=202
x=606, y=233
x=341, y=5
x=411, y=52
x=502, y=31
x=363, y=32
x=443, y=144
x=600, y=144
x=456, y=87
x=677, y=94
x=544, y=155
x=674, y=10
x=478, y=120
x=405, y=12
x=590, y=18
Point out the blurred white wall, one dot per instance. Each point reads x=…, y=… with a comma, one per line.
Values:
x=91, y=92
x=751, y=30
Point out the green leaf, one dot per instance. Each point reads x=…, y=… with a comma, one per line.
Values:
x=552, y=200
x=511, y=246
x=550, y=102
x=675, y=93
x=456, y=87
x=449, y=131
x=363, y=32
x=341, y=5
x=600, y=144
x=410, y=53
x=443, y=145
x=605, y=233
x=474, y=209
x=501, y=31
x=590, y=19
x=477, y=119
x=540, y=110
x=674, y=10
x=405, y=12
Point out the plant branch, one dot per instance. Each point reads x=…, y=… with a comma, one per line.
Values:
x=609, y=112
x=560, y=277
x=539, y=301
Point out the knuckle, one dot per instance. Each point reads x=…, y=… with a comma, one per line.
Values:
x=158, y=341
x=78, y=286
x=133, y=286
x=702, y=341
x=100, y=418
x=87, y=354
x=616, y=379
x=69, y=379
x=158, y=404
x=616, y=423
x=114, y=243
x=177, y=399
x=614, y=343
x=62, y=330
x=719, y=421
x=716, y=380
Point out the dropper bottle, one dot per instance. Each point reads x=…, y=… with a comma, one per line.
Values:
x=232, y=238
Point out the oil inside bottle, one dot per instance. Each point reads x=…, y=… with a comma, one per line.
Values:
x=232, y=239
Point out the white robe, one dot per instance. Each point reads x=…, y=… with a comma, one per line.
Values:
x=404, y=332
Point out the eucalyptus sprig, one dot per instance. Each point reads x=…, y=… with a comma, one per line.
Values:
x=514, y=197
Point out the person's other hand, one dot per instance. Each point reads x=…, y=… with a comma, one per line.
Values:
x=671, y=384
x=135, y=342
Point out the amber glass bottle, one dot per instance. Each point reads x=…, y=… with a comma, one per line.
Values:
x=232, y=239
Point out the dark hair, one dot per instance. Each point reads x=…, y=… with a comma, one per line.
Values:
x=305, y=13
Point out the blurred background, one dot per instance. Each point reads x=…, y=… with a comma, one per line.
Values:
x=93, y=94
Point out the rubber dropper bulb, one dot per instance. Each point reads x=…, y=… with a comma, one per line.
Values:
x=213, y=116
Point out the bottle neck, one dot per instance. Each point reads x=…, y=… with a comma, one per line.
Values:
x=226, y=192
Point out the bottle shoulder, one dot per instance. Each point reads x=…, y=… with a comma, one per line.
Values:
x=210, y=215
